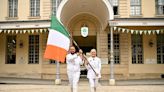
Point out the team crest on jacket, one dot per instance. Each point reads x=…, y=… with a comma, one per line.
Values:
x=84, y=31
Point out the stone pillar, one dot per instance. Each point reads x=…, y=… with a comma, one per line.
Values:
x=111, y=80
x=58, y=80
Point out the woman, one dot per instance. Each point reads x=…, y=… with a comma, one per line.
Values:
x=93, y=77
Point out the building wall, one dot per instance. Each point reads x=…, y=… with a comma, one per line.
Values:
x=3, y=9
x=102, y=46
x=24, y=10
x=45, y=70
x=21, y=68
x=121, y=70
x=125, y=44
x=2, y=49
x=148, y=10
x=127, y=70
x=150, y=68
x=124, y=8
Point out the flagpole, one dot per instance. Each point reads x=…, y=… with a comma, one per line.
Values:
x=85, y=59
x=57, y=80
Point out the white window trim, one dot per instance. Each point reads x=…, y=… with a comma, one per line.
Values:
x=13, y=9
x=34, y=13
x=157, y=7
x=139, y=15
x=111, y=1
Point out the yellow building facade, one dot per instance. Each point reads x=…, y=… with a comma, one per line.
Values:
x=137, y=27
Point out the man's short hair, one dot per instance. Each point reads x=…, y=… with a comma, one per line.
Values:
x=72, y=46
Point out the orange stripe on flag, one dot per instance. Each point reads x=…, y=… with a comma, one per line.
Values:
x=55, y=53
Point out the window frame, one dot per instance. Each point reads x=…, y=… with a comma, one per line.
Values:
x=116, y=56
x=157, y=8
x=34, y=53
x=53, y=6
x=137, y=44
x=135, y=5
x=13, y=8
x=160, y=45
x=6, y=56
x=35, y=8
x=114, y=4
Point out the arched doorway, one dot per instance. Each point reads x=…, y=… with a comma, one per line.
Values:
x=102, y=9
x=74, y=26
x=70, y=11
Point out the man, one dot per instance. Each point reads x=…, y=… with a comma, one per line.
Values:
x=74, y=60
x=93, y=77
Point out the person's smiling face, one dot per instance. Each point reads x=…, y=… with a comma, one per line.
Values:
x=93, y=53
x=72, y=50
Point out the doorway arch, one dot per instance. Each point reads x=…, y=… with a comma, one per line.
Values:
x=101, y=9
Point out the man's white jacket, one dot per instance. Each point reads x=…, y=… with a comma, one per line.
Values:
x=73, y=63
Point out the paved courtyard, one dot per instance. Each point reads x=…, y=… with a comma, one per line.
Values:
x=34, y=85
x=82, y=88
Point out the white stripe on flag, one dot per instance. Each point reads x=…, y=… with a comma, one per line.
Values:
x=58, y=39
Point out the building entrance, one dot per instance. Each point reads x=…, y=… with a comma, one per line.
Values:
x=86, y=44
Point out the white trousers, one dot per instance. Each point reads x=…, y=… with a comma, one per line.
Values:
x=93, y=82
x=73, y=80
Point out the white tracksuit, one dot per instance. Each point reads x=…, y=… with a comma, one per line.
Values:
x=96, y=64
x=73, y=70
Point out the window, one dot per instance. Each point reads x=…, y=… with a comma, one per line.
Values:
x=34, y=8
x=160, y=7
x=116, y=47
x=33, y=49
x=137, y=49
x=55, y=4
x=160, y=49
x=13, y=8
x=115, y=6
x=11, y=49
x=135, y=7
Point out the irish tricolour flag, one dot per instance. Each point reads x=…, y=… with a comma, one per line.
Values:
x=58, y=41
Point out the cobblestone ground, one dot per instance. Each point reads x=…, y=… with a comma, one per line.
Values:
x=82, y=88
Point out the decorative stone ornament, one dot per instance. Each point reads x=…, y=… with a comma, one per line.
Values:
x=84, y=31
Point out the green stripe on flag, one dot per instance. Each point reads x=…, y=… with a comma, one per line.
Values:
x=56, y=25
